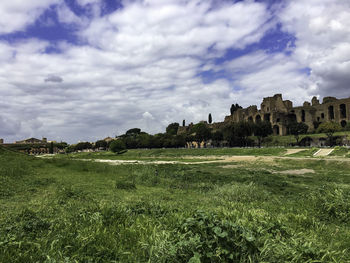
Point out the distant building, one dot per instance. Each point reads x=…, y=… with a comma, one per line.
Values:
x=32, y=141
x=280, y=112
x=33, y=146
x=108, y=139
x=1, y=141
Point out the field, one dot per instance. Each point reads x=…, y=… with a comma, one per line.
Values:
x=176, y=205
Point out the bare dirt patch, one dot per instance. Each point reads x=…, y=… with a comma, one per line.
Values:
x=296, y=172
x=292, y=151
x=231, y=166
x=324, y=152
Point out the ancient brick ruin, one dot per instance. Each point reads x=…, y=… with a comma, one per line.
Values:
x=280, y=112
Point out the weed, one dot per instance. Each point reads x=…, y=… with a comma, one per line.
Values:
x=125, y=185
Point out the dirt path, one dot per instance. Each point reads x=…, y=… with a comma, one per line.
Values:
x=217, y=159
x=296, y=172
x=323, y=152
x=292, y=151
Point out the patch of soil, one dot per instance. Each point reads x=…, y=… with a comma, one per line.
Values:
x=231, y=166
x=292, y=151
x=296, y=172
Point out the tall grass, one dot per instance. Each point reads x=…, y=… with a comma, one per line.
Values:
x=64, y=210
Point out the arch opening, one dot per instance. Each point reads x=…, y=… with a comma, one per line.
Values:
x=331, y=112
x=303, y=116
x=342, y=110
x=267, y=117
x=257, y=118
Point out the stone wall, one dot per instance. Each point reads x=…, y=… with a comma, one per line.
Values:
x=279, y=112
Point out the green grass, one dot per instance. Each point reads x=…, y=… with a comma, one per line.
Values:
x=289, y=139
x=305, y=153
x=340, y=151
x=64, y=210
x=170, y=154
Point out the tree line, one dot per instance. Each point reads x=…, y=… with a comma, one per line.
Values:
x=234, y=134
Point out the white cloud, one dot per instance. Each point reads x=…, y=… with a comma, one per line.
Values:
x=142, y=66
x=322, y=29
x=146, y=30
x=16, y=15
x=261, y=74
x=67, y=16
x=147, y=115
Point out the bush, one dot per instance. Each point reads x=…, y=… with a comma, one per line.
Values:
x=347, y=127
x=206, y=238
x=117, y=146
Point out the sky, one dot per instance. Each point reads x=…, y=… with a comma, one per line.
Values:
x=82, y=70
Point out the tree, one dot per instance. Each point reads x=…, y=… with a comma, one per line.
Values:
x=180, y=141
x=172, y=128
x=133, y=132
x=101, y=144
x=236, y=134
x=51, y=148
x=183, y=123
x=297, y=128
x=210, y=119
x=262, y=129
x=234, y=107
x=144, y=140
x=347, y=127
x=117, y=146
x=202, y=132
x=329, y=128
x=229, y=134
x=217, y=136
x=82, y=146
x=243, y=130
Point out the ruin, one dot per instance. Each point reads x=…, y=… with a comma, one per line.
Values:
x=280, y=112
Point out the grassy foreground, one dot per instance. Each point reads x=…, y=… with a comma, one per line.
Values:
x=65, y=210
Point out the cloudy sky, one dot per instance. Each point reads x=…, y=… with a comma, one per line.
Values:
x=85, y=69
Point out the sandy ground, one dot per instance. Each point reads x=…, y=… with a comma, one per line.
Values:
x=216, y=159
x=291, y=151
x=296, y=172
x=226, y=159
x=324, y=152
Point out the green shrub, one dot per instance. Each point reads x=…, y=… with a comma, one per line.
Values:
x=333, y=203
x=339, y=151
x=125, y=185
x=206, y=238
x=117, y=146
